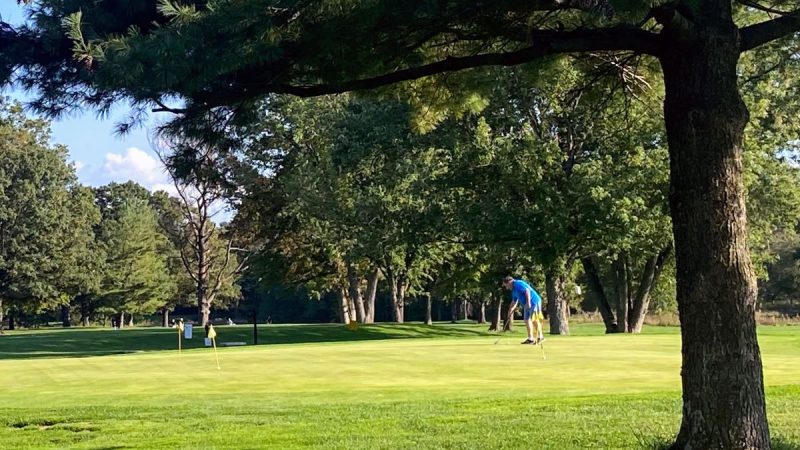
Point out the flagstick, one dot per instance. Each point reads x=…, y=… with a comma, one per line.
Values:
x=214, y=343
x=179, y=340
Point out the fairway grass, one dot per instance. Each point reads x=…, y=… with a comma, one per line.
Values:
x=384, y=386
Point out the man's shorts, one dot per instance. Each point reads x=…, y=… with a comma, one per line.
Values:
x=533, y=313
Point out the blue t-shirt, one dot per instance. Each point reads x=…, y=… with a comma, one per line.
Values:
x=518, y=288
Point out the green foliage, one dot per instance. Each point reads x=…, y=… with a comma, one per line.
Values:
x=44, y=217
x=136, y=279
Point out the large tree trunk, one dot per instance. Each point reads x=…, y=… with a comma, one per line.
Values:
x=723, y=391
x=354, y=289
x=85, y=311
x=203, y=304
x=130, y=320
x=11, y=322
x=641, y=301
x=165, y=318
x=508, y=325
x=121, y=320
x=66, y=319
x=464, y=310
x=556, y=303
x=372, y=291
x=454, y=311
x=598, y=294
x=344, y=306
x=398, y=296
x=482, y=312
x=620, y=266
x=428, y=310
x=497, y=309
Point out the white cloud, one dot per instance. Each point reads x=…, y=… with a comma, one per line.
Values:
x=136, y=165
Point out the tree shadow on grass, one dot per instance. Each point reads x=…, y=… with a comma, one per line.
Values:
x=87, y=342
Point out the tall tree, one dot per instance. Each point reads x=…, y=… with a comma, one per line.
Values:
x=146, y=54
x=136, y=279
x=209, y=258
x=36, y=214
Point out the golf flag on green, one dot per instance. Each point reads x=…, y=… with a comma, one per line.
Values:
x=212, y=334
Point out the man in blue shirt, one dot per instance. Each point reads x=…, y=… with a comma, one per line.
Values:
x=522, y=292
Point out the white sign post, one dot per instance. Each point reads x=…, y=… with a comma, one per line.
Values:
x=187, y=331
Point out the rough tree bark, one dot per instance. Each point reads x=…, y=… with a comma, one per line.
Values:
x=508, y=325
x=372, y=291
x=66, y=319
x=398, y=288
x=598, y=294
x=121, y=320
x=497, y=311
x=354, y=289
x=482, y=312
x=723, y=391
x=344, y=306
x=165, y=318
x=641, y=301
x=556, y=303
x=620, y=267
x=428, y=309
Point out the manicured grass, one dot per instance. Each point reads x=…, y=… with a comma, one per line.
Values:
x=385, y=386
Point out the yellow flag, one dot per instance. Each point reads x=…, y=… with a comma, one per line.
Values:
x=211, y=332
x=180, y=327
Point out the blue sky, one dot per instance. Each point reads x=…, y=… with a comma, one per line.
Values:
x=99, y=155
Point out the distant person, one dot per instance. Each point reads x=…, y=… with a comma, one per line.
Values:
x=269, y=320
x=230, y=321
x=523, y=293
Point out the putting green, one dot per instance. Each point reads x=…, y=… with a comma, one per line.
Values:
x=441, y=387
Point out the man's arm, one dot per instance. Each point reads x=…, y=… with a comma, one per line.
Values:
x=528, y=298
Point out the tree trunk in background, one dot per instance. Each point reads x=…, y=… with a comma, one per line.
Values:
x=556, y=303
x=165, y=318
x=598, y=294
x=344, y=306
x=130, y=320
x=508, y=325
x=66, y=319
x=372, y=291
x=641, y=301
x=85, y=312
x=482, y=312
x=204, y=306
x=398, y=296
x=354, y=289
x=454, y=311
x=621, y=291
x=497, y=310
x=11, y=324
x=723, y=389
x=464, y=310
x=2, y=317
x=428, y=310
x=121, y=320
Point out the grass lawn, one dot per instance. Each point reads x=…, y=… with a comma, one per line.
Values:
x=384, y=386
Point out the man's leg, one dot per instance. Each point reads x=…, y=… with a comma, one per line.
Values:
x=528, y=326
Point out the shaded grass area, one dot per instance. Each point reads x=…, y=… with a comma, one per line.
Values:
x=83, y=342
x=409, y=386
